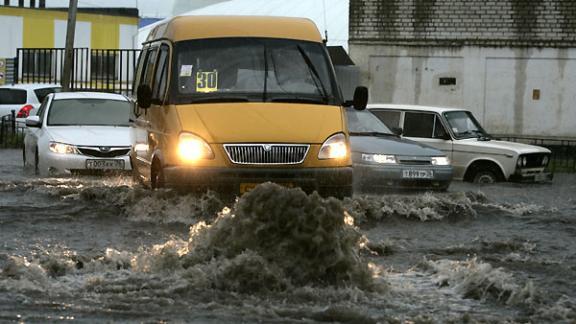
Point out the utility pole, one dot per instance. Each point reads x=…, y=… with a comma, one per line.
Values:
x=69, y=51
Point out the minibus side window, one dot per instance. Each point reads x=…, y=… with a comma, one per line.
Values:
x=148, y=69
x=141, y=68
x=160, y=77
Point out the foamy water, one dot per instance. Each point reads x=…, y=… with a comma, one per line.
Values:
x=98, y=250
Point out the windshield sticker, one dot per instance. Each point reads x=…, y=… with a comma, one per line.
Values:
x=186, y=70
x=207, y=81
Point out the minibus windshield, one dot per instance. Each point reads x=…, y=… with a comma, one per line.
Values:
x=252, y=69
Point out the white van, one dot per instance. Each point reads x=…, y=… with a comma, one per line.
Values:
x=475, y=156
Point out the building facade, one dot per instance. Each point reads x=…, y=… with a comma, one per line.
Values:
x=46, y=28
x=32, y=42
x=512, y=62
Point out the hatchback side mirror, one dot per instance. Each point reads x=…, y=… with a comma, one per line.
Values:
x=144, y=96
x=360, y=100
x=33, y=121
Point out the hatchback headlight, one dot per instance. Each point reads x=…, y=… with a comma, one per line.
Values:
x=192, y=148
x=62, y=148
x=440, y=160
x=379, y=158
x=335, y=147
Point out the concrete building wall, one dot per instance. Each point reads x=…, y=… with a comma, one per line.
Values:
x=511, y=91
x=512, y=62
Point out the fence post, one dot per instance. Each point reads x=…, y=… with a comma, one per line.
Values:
x=13, y=112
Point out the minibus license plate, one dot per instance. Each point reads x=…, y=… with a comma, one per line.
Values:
x=417, y=174
x=105, y=164
x=245, y=187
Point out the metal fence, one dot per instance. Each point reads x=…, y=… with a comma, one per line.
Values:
x=11, y=131
x=109, y=70
x=563, y=150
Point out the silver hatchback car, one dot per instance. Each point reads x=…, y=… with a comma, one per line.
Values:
x=383, y=160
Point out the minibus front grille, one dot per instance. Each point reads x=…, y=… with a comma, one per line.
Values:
x=267, y=154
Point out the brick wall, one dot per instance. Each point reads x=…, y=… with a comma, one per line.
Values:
x=533, y=23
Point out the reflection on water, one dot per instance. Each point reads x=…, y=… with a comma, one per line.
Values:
x=93, y=249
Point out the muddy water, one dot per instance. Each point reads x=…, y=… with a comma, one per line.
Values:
x=94, y=250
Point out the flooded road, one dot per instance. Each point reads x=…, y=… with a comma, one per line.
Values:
x=94, y=250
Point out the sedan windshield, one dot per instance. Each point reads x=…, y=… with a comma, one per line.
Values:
x=98, y=112
x=464, y=125
x=253, y=69
x=364, y=122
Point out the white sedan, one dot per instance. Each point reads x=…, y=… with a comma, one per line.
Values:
x=79, y=132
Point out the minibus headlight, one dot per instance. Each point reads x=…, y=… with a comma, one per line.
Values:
x=192, y=148
x=62, y=148
x=335, y=147
x=440, y=160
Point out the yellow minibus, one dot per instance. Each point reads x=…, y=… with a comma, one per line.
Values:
x=228, y=102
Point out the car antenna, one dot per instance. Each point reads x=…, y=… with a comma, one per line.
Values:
x=325, y=25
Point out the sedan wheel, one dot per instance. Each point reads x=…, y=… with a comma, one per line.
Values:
x=485, y=177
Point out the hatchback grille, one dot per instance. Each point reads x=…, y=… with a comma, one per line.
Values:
x=414, y=160
x=104, y=152
x=266, y=153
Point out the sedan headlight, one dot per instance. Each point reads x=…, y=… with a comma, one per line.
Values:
x=192, y=148
x=335, y=147
x=522, y=160
x=62, y=148
x=379, y=158
x=545, y=160
x=440, y=160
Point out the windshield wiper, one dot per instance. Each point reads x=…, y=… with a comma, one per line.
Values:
x=297, y=99
x=376, y=134
x=474, y=133
x=314, y=73
x=219, y=99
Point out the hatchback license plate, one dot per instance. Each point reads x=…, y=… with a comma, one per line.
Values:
x=417, y=174
x=105, y=164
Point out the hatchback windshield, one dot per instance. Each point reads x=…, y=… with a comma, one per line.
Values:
x=100, y=112
x=464, y=125
x=363, y=121
x=253, y=69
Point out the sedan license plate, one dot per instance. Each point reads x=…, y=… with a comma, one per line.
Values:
x=105, y=164
x=417, y=174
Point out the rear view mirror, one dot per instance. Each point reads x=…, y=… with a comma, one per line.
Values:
x=144, y=96
x=33, y=121
x=360, y=100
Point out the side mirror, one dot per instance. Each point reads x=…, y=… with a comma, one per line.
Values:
x=360, y=100
x=144, y=96
x=397, y=131
x=33, y=121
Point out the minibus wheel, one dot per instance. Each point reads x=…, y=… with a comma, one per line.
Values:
x=157, y=175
